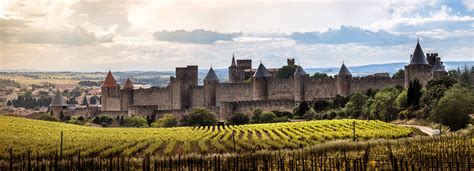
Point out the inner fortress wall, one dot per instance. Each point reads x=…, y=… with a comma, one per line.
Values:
x=319, y=89
x=280, y=89
x=362, y=84
x=197, y=96
x=159, y=96
x=226, y=92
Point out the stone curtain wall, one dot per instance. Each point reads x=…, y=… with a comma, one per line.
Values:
x=226, y=92
x=280, y=89
x=362, y=84
x=160, y=97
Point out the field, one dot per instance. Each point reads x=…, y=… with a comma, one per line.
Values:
x=313, y=144
x=29, y=80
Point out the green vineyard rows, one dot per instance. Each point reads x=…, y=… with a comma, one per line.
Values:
x=43, y=138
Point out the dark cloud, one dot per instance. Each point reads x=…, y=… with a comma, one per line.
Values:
x=196, y=36
x=348, y=34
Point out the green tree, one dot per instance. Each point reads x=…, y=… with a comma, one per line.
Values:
x=200, y=117
x=399, y=74
x=414, y=93
x=465, y=77
x=355, y=105
x=382, y=107
x=103, y=120
x=168, y=120
x=286, y=71
x=319, y=75
x=256, y=114
x=239, y=119
x=454, y=107
x=310, y=114
x=267, y=117
x=93, y=100
x=135, y=121
x=339, y=102
x=321, y=105
x=302, y=108
x=84, y=101
x=401, y=100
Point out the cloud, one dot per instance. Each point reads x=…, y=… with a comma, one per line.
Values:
x=348, y=34
x=196, y=36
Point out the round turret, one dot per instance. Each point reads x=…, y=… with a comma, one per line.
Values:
x=210, y=86
x=299, y=78
x=259, y=83
x=343, y=81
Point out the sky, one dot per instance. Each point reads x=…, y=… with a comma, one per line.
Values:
x=143, y=35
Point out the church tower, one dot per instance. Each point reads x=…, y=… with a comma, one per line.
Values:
x=343, y=81
x=210, y=86
x=259, y=83
x=299, y=78
x=418, y=68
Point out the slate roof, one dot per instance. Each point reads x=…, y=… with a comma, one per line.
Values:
x=344, y=70
x=418, y=56
x=437, y=66
x=128, y=85
x=58, y=100
x=109, y=81
x=211, y=75
x=262, y=72
x=300, y=71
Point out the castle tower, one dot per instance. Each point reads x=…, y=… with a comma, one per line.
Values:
x=260, y=79
x=233, y=71
x=438, y=69
x=210, y=86
x=58, y=105
x=299, y=78
x=127, y=95
x=343, y=81
x=110, y=97
x=418, y=68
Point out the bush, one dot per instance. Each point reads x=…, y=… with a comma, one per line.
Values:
x=267, y=117
x=310, y=114
x=283, y=114
x=301, y=109
x=199, y=117
x=257, y=113
x=134, y=121
x=239, y=119
x=281, y=119
x=168, y=120
x=103, y=120
x=76, y=120
x=47, y=117
x=454, y=107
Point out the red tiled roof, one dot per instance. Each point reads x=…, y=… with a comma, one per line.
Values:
x=109, y=81
x=128, y=84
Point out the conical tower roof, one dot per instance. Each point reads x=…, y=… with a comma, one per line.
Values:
x=437, y=66
x=300, y=71
x=58, y=100
x=344, y=70
x=233, y=61
x=418, y=56
x=128, y=85
x=211, y=75
x=109, y=81
x=262, y=71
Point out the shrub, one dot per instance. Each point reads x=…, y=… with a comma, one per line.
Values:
x=103, y=120
x=134, y=121
x=257, y=113
x=47, y=117
x=283, y=114
x=239, y=119
x=76, y=120
x=267, y=117
x=199, y=117
x=454, y=107
x=168, y=120
x=310, y=114
x=281, y=119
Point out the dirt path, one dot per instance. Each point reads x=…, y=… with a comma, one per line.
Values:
x=424, y=129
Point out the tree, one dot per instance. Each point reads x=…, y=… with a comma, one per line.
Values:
x=9, y=103
x=401, y=100
x=239, y=119
x=257, y=113
x=399, y=74
x=103, y=120
x=84, y=101
x=454, y=107
x=382, y=107
x=310, y=114
x=93, y=100
x=135, y=121
x=339, y=101
x=286, y=71
x=321, y=105
x=414, y=93
x=200, y=117
x=168, y=120
x=319, y=75
x=465, y=77
x=302, y=108
x=370, y=93
x=267, y=117
x=355, y=105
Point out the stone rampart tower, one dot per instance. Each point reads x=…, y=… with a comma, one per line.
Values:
x=58, y=105
x=181, y=86
x=127, y=95
x=299, y=78
x=343, y=81
x=110, y=98
x=418, y=68
x=210, y=85
x=260, y=82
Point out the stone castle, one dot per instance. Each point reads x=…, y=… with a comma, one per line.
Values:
x=249, y=88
